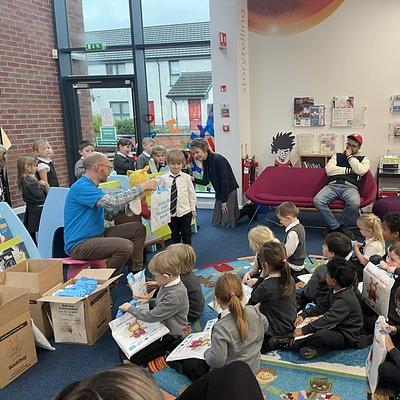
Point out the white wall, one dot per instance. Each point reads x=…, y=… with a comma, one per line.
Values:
x=353, y=52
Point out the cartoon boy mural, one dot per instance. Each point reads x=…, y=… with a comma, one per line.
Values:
x=282, y=144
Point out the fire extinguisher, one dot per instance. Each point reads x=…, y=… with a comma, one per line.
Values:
x=253, y=170
x=246, y=165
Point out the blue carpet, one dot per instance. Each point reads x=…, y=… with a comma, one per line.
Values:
x=72, y=362
x=294, y=382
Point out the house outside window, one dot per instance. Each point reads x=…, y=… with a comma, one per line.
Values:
x=120, y=110
x=116, y=69
x=174, y=72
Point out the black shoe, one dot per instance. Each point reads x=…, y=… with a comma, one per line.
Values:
x=280, y=343
x=308, y=353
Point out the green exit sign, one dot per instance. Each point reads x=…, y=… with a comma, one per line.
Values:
x=95, y=46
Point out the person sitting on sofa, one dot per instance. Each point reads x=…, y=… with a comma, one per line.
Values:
x=344, y=171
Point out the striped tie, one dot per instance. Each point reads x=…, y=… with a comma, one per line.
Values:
x=173, y=195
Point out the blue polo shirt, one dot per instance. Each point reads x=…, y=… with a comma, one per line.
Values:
x=82, y=218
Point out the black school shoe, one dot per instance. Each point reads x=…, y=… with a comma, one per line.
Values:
x=280, y=343
x=308, y=353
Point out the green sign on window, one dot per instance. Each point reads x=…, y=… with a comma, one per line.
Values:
x=108, y=136
x=95, y=46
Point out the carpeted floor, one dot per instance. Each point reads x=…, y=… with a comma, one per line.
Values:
x=69, y=363
x=342, y=373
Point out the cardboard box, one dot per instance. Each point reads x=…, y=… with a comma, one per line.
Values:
x=82, y=319
x=39, y=276
x=17, y=347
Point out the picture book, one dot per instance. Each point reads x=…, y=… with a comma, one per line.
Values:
x=304, y=323
x=12, y=252
x=328, y=141
x=317, y=115
x=195, y=345
x=301, y=110
x=133, y=335
x=5, y=233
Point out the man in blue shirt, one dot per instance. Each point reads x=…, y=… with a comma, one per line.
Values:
x=87, y=206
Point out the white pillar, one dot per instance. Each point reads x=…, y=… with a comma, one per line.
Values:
x=230, y=67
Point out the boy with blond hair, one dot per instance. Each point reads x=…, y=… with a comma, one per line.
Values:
x=170, y=307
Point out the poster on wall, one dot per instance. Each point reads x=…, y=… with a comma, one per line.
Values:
x=317, y=115
x=328, y=142
x=342, y=111
x=302, y=111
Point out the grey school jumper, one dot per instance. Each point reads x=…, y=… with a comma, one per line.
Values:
x=226, y=346
x=171, y=309
x=196, y=298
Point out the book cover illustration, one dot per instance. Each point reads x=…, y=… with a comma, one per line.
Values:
x=5, y=233
x=133, y=335
x=317, y=115
x=12, y=252
x=328, y=141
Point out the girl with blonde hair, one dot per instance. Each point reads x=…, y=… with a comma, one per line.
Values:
x=370, y=227
x=257, y=236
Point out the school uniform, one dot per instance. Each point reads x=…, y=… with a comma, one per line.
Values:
x=181, y=187
x=227, y=347
x=234, y=381
x=339, y=324
x=280, y=311
x=47, y=164
x=122, y=163
x=143, y=160
x=295, y=245
x=195, y=295
x=170, y=307
x=389, y=370
x=34, y=195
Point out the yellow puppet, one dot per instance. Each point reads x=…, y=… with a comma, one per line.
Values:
x=135, y=178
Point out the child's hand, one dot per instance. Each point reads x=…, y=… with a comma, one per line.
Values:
x=386, y=267
x=246, y=277
x=388, y=343
x=152, y=285
x=387, y=329
x=251, y=282
x=299, y=320
x=357, y=244
x=124, y=307
x=145, y=298
x=43, y=183
x=297, y=332
x=194, y=214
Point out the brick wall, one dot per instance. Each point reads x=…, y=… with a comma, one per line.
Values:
x=29, y=89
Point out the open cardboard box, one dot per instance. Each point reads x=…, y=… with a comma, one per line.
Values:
x=39, y=276
x=17, y=347
x=81, y=319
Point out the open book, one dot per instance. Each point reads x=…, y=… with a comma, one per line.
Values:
x=304, y=323
x=194, y=345
x=133, y=335
x=246, y=297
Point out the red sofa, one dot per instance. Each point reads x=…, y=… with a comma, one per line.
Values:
x=300, y=185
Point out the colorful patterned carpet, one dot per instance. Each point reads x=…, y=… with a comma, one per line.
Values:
x=339, y=375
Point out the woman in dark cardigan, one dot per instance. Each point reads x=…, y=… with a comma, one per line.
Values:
x=217, y=170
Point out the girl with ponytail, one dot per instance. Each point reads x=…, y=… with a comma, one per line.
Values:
x=371, y=228
x=236, y=336
x=275, y=292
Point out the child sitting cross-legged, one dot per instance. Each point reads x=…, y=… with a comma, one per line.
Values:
x=170, y=307
x=340, y=318
x=236, y=336
x=335, y=244
x=275, y=291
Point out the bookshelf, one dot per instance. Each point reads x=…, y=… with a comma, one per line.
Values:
x=313, y=160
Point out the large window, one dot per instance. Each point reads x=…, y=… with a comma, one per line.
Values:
x=120, y=110
x=115, y=69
